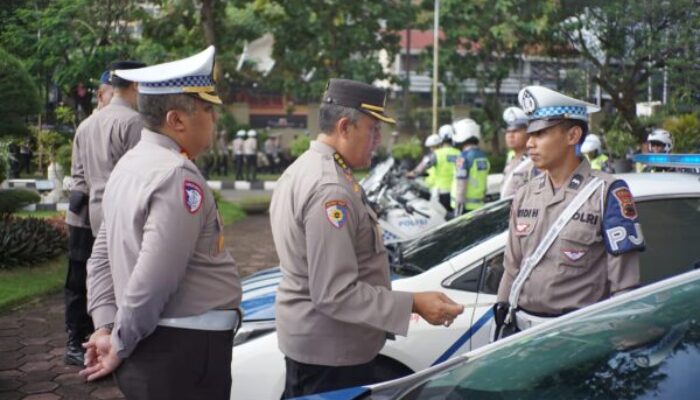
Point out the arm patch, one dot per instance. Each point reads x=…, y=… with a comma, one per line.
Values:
x=462, y=166
x=622, y=232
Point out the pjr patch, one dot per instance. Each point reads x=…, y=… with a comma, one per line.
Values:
x=193, y=196
x=337, y=212
x=624, y=199
x=460, y=162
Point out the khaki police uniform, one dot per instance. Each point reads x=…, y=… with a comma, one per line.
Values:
x=587, y=262
x=100, y=141
x=159, y=270
x=334, y=303
x=517, y=174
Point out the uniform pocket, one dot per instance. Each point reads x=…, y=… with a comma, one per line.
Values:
x=376, y=230
x=574, y=248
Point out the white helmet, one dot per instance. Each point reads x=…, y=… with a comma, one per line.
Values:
x=591, y=144
x=662, y=136
x=252, y=133
x=433, y=140
x=466, y=129
x=240, y=133
x=515, y=118
x=446, y=132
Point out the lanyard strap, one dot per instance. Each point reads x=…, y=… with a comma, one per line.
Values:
x=532, y=261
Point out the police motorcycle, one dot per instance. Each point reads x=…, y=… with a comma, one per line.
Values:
x=405, y=208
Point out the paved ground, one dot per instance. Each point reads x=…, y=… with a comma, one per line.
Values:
x=32, y=337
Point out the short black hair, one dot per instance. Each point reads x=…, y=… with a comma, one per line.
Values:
x=154, y=107
x=118, y=82
x=329, y=114
x=567, y=124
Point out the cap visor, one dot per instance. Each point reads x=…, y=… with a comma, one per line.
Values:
x=540, y=124
x=210, y=97
x=380, y=117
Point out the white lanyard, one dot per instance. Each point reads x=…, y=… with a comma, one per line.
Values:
x=532, y=261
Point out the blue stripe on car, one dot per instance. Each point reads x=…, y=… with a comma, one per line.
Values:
x=247, y=290
x=463, y=339
x=343, y=394
x=256, y=304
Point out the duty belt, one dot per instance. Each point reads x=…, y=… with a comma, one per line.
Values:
x=214, y=320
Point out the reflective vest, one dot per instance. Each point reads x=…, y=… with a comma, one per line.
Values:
x=510, y=155
x=445, y=167
x=430, y=179
x=477, y=181
x=598, y=162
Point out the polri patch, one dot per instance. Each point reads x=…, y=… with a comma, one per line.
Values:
x=193, y=196
x=624, y=200
x=337, y=212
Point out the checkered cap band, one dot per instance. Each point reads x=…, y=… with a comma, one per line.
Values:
x=187, y=81
x=570, y=111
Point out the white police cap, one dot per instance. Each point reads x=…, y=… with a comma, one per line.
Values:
x=240, y=133
x=252, y=133
x=515, y=118
x=544, y=107
x=446, y=132
x=189, y=75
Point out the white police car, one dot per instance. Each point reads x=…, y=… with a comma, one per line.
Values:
x=464, y=259
x=640, y=345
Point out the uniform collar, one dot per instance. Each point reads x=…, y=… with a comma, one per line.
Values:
x=118, y=101
x=574, y=183
x=321, y=147
x=159, y=139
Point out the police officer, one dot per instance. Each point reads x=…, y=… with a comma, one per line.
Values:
x=471, y=169
x=519, y=169
x=250, y=151
x=592, y=149
x=237, y=150
x=162, y=287
x=427, y=164
x=335, y=306
x=104, y=92
x=445, y=159
x=659, y=141
x=99, y=142
x=574, y=233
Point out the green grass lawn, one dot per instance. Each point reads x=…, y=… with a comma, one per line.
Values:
x=39, y=214
x=22, y=284
x=230, y=212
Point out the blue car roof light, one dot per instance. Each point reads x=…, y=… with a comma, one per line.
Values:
x=669, y=160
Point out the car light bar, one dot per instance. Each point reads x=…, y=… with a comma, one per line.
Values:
x=669, y=160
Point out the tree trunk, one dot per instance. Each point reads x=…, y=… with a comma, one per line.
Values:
x=208, y=23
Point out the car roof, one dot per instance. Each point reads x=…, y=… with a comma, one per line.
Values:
x=661, y=184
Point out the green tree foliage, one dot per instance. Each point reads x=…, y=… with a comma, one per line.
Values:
x=626, y=41
x=485, y=40
x=686, y=133
x=20, y=97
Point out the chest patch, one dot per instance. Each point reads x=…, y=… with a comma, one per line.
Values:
x=573, y=254
x=521, y=228
x=193, y=196
x=528, y=212
x=624, y=200
x=337, y=213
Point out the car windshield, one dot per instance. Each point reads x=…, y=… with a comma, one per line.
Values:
x=641, y=349
x=429, y=250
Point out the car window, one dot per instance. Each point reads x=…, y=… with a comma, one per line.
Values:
x=467, y=280
x=483, y=278
x=493, y=271
x=641, y=349
x=456, y=237
x=672, y=235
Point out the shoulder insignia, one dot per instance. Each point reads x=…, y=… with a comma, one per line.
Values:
x=576, y=182
x=622, y=231
x=337, y=212
x=625, y=202
x=193, y=196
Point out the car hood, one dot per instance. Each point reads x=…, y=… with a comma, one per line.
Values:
x=259, y=290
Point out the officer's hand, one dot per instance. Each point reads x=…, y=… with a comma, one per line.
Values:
x=436, y=308
x=410, y=174
x=107, y=360
x=91, y=350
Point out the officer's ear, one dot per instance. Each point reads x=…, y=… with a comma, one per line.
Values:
x=174, y=120
x=574, y=134
x=342, y=127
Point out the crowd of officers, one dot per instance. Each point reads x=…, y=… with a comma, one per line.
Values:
x=163, y=291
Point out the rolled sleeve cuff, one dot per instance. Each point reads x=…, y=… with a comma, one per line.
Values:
x=402, y=315
x=119, y=346
x=103, y=315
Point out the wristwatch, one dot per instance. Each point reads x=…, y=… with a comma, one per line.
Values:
x=109, y=326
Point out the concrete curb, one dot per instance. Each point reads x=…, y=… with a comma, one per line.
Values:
x=242, y=185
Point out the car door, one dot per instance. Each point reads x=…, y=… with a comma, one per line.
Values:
x=671, y=228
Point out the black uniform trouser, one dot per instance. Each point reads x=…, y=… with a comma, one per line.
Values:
x=174, y=363
x=238, y=165
x=305, y=379
x=78, y=320
x=445, y=200
x=251, y=161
